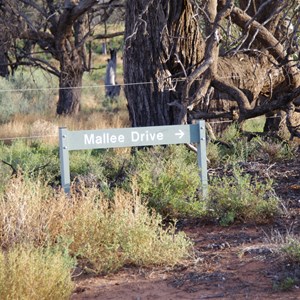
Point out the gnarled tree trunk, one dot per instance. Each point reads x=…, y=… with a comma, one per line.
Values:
x=163, y=45
x=70, y=83
x=71, y=55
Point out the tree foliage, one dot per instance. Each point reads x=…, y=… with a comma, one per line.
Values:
x=61, y=30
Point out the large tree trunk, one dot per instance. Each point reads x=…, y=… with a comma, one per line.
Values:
x=72, y=63
x=4, y=71
x=70, y=83
x=163, y=45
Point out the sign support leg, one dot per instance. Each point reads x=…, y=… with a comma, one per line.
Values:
x=64, y=159
x=201, y=157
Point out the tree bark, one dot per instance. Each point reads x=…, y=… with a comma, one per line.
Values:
x=70, y=83
x=163, y=45
x=4, y=71
x=71, y=57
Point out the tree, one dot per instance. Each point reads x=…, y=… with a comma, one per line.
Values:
x=231, y=60
x=8, y=31
x=60, y=29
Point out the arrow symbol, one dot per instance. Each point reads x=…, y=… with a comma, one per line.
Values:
x=180, y=133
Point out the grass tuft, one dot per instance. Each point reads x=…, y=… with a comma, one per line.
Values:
x=32, y=274
x=109, y=234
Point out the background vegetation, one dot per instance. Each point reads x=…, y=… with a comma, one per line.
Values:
x=124, y=204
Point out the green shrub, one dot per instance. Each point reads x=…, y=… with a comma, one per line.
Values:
x=27, y=92
x=35, y=273
x=38, y=89
x=168, y=179
x=241, y=197
x=213, y=154
x=285, y=284
x=291, y=249
x=234, y=148
x=104, y=168
x=237, y=148
x=273, y=150
x=33, y=159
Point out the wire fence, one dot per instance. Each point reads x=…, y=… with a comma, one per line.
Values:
x=56, y=136
x=57, y=88
x=90, y=87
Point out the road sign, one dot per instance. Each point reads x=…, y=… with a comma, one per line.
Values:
x=132, y=137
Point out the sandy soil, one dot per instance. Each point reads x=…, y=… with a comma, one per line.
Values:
x=234, y=262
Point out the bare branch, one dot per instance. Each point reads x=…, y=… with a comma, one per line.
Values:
x=107, y=35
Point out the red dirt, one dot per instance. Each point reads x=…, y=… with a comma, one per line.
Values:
x=234, y=262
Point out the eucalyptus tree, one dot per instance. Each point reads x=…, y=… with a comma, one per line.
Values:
x=226, y=60
x=8, y=30
x=60, y=30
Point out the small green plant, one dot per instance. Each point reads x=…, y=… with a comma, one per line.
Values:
x=168, y=179
x=255, y=124
x=291, y=249
x=284, y=285
x=35, y=273
x=241, y=197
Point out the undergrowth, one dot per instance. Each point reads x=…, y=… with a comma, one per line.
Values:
x=120, y=201
x=241, y=197
x=168, y=179
x=104, y=234
x=31, y=273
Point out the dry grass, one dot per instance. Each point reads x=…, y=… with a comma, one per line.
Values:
x=31, y=213
x=29, y=127
x=111, y=234
x=28, y=273
x=95, y=120
x=287, y=245
x=104, y=234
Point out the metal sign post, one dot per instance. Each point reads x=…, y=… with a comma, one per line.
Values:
x=132, y=137
x=202, y=159
x=64, y=159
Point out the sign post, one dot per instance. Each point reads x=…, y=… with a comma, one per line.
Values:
x=201, y=157
x=132, y=137
x=64, y=159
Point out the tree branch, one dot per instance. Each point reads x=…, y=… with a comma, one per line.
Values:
x=235, y=92
x=107, y=36
x=280, y=103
